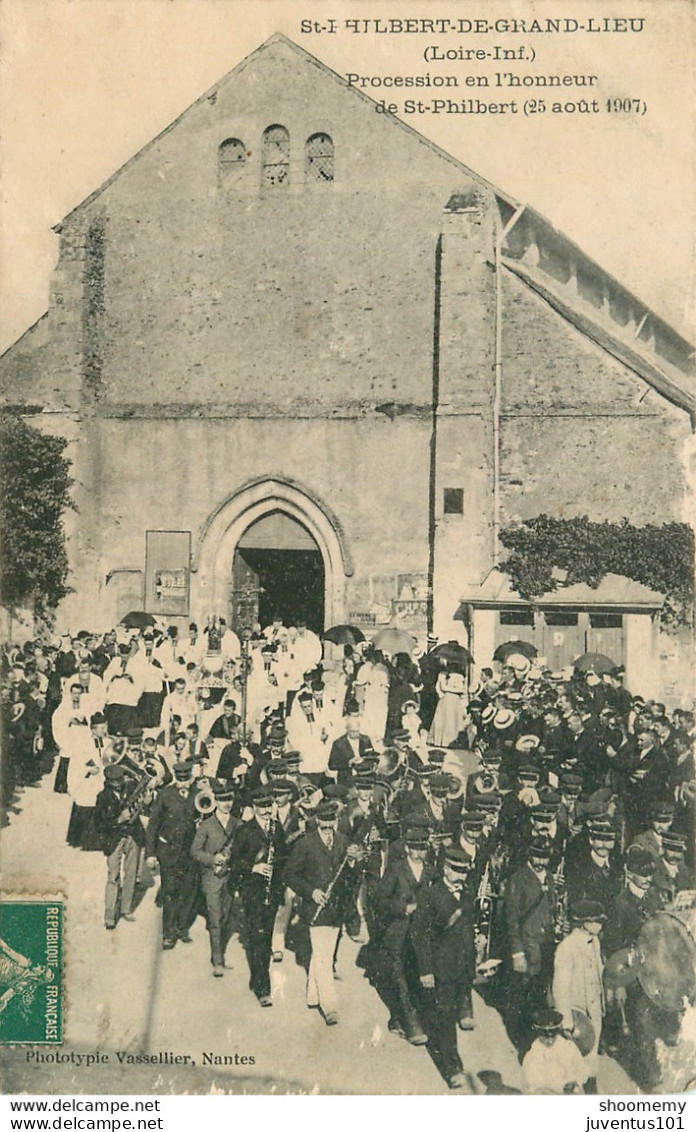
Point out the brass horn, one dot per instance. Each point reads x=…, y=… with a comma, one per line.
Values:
x=390, y=762
x=204, y=802
x=155, y=770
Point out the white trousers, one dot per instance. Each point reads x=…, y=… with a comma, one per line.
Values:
x=321, y=988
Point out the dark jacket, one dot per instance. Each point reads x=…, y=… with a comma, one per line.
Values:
x=586, y=880
x=420, y=809
x=224, y=728
x=442, y=934
x=172, y=826
x=312, y=865
x=396, y=890
x=252, y=846
x=108, y=806
x=529, y=909
x=341, y=754
x=626, y=917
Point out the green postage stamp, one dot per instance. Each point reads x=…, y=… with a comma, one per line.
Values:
x=31, y=972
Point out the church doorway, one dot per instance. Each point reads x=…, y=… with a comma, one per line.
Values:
x=278, y=569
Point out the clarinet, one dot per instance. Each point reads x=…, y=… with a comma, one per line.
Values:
x=329, y=891
x=363, y=844
x=484, y=917
x=561, y=921
x=270, y=859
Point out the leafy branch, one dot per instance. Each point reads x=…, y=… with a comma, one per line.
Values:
x=35, y=488
x=660, y=557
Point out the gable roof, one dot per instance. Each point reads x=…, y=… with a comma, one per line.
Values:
x=278, y=37
x=670, y=371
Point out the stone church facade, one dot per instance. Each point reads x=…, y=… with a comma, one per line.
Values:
x=292, y=339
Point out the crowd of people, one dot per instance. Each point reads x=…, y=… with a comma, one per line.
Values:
x=515, y=836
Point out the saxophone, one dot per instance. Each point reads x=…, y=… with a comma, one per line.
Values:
x=222, y=868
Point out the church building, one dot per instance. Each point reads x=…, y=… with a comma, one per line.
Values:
x=309, y=363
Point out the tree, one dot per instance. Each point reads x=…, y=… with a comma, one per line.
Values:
x=34, y=495
x=661, y=557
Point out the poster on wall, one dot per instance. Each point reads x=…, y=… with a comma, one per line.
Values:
x=167, y=566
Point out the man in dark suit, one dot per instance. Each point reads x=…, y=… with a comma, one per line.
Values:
x=434, y=802
x=196, y=749
x=555, y=737
x=394, y=901
x=293, y=821
x=211, y=849
x=402, y=743
x=642, y=773
x=636, y=904
x=322, y=870
x=617, y=695
x=442, y=935
x=256, y=872
x=271, y=750
x=529, y=907
x=122, y=837
x=170, y=834
x=595, y=872
x=585, y=746
x=226, y=725
x=348, y=750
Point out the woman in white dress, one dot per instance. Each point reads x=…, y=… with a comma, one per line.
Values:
x=372, y=690
x=451, y=709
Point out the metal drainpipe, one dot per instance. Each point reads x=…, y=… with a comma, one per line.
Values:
x=497, y=397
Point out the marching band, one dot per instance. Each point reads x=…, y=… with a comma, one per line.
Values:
x=542, y=857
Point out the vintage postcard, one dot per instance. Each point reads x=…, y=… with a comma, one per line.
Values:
x=347, y=549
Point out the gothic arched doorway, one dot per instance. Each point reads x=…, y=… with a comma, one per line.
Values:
x=226, y=527
x=278, y=569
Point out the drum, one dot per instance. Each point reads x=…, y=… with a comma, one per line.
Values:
x=666, y=957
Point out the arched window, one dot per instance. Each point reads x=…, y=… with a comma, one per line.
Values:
x=319, y=158
x=276, y=156
x=231, y=158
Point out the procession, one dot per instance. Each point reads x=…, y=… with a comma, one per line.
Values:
x=495, y=833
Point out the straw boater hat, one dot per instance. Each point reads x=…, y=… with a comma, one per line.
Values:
x=527, y=743
x=504, y=718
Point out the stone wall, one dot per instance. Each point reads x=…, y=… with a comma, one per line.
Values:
x=579, y=431
x=171, y=475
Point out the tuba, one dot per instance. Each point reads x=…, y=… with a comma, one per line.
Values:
x=154, y=768
x=139, y=797
x=204, y=802
x=390, y=763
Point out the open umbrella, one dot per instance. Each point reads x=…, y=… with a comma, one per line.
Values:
x=137, y=619
x=509, y=648
x=344, y=635
x=394, y=641
x=450, y=651
x=595, y=662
